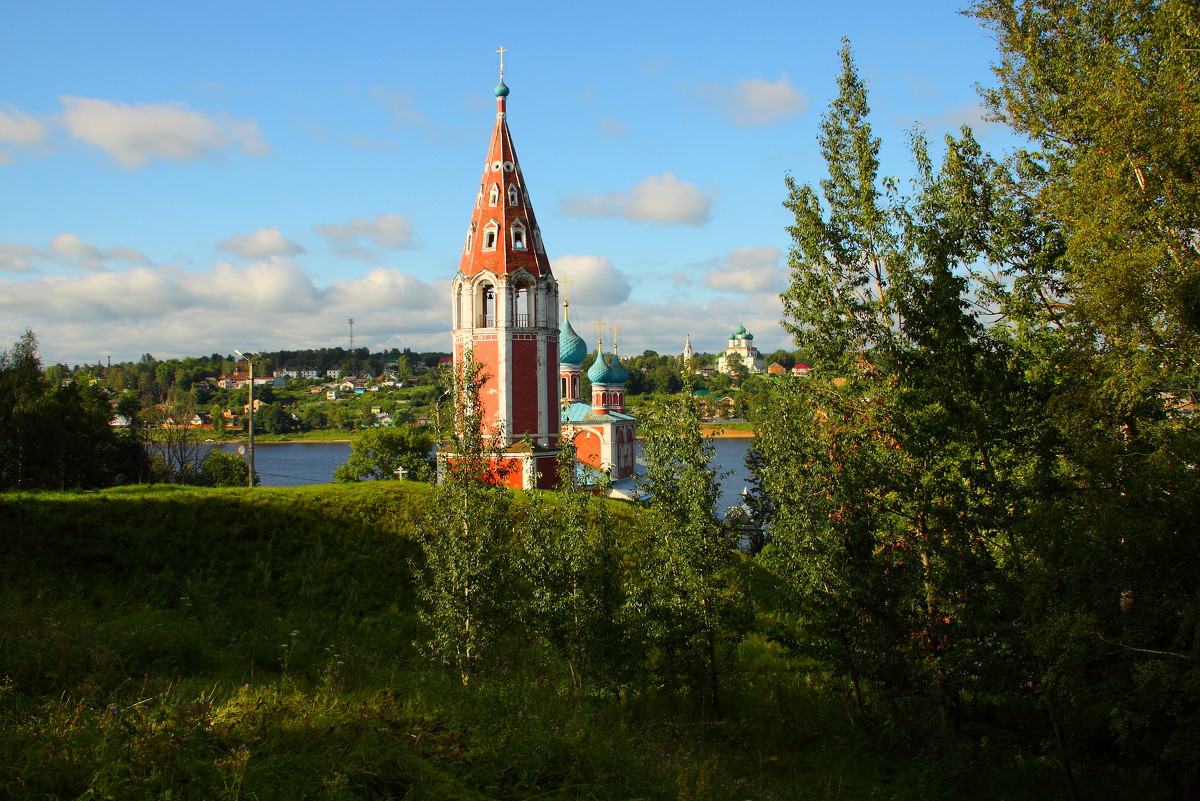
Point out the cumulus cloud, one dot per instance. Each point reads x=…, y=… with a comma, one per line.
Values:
x=72, y=246
x=659, y=198
x=16, y=258
x=752, y=102
x=265, y=305
x=68, y=251
x=139, y=134
x=261, y=244
x=382, y=289
x=749, y=270
x=21, y=131
x=273, y=285
x=594, y=280
x=390, y=231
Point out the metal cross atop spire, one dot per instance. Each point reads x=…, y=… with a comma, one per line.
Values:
x=566, y=293
x=599, y=336
x=502, y=51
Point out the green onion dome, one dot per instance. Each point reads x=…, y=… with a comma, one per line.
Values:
x=571, y=347
x=617, y=374
x=599, y=371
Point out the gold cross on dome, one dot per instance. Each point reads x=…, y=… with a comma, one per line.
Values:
x=502, y=51
x=566, y=282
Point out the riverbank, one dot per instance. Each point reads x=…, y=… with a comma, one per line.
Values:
x=727, y=430
x=715, y=430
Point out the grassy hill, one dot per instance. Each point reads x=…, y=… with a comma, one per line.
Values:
x=164, y=642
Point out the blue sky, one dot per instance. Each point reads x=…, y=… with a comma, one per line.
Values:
x=183, y=179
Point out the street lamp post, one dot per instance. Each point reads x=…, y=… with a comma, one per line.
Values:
x=250, y=474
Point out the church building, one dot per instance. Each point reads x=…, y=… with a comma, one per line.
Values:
x=603, y=433
x=505, y=317
x=741, y=349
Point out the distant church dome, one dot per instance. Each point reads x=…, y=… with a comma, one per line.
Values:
x=599, y=372
x=617, y=374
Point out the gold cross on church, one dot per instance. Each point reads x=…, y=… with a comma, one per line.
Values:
x=502, y=51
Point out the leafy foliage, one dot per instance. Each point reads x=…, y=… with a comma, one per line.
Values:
x=698, y=604
x=958, y=507
x=378, y=452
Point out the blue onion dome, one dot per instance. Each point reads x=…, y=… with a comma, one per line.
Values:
x=617, y=374
x=501, y=90
x=599, y=372
x=749, y=335
x=571, y=347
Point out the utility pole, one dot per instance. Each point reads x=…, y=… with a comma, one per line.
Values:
x=250, y=474
x=351, y=334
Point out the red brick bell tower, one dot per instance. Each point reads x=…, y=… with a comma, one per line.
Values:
x=504, y=303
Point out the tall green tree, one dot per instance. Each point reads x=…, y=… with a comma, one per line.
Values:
x=466, y=578
x=54, y=435
x=880, y=471
x=577, y=594
x=697, y=606
x=1108, y=94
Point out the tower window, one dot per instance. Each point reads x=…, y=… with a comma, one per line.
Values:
x=494, y=195
x=490, y=233
x=512, y=194
x=518, y=236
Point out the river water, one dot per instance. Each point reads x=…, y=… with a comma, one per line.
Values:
x=294, y=464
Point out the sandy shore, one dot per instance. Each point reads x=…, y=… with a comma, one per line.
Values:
x=717, y=432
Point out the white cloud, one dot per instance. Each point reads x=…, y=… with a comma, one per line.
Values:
x=390, y=231
x=274, y=285
x=262, y=306
x=15, y=258
x=262, y=243
x=72, y=246
x=594, y=280
x=749, y=270
x=22, y=130
x=382, y=289
x=752, y=102
x=136, y=135
x=659, y=198
x=67, y=251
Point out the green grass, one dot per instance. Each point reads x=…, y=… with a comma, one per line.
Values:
x=230, y=643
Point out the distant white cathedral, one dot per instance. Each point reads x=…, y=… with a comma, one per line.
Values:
x=741, y=343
